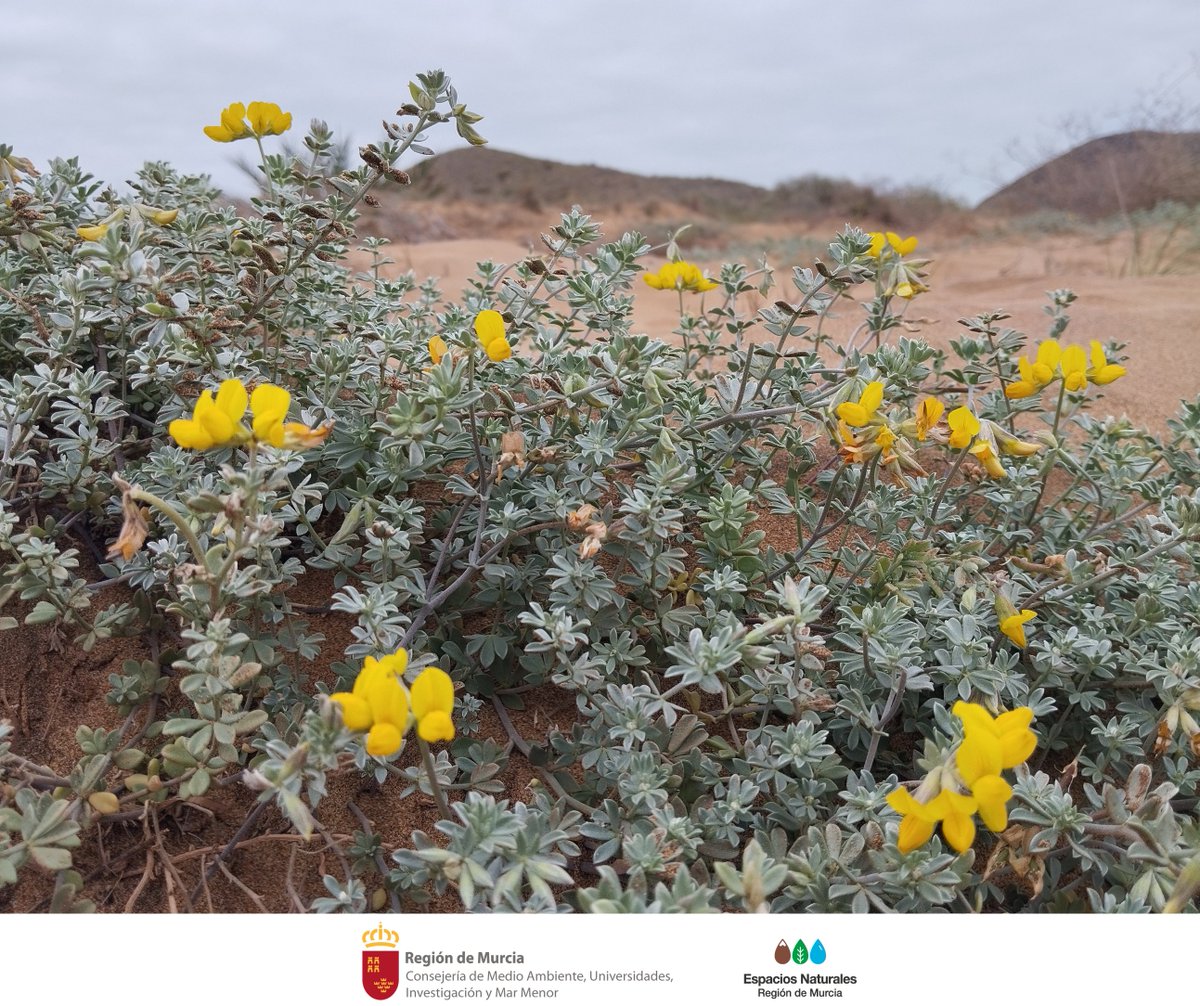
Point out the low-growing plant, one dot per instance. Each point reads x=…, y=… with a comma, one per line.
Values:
x=819, y=603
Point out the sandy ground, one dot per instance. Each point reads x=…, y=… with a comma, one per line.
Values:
x=1158, y=317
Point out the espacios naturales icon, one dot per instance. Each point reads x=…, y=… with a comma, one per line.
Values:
x=800, y=953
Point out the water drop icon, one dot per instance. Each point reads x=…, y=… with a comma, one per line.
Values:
x=817, y=954
x=799, y=952
x=782, y=954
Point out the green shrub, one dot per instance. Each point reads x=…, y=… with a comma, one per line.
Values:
x=580, y=516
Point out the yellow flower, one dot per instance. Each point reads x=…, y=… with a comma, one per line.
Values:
x=489, y=327
x=929, y=412
x=266, y=119
x=1049, y=353
x=389, y=715
x=989, y=746
x=218, y=422
x=96, y=231
x=1103, y=372
x=1026, y=386
x=437, y=349
x=982, y=450
x=378, y=703
x=906, y=291
x=432, y=704
x=270, y=404
x=963, y=426
x=679, y=276
x=958, y=824
x=992, y=793
x=1074, y=368
x=164, y=218
x=215, y=422
x=917, y=819
x=1013, y=625
x=356, y=710
x=901, y=246
x=232, y=127
x=885, y=440
x=1015, y=742
x=859, y=413
x=878, y=239
x=974, y=786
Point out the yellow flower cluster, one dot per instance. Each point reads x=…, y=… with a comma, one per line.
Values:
x=863, y=432
x=217, y=421
x=679, y=276
x=259, y=119
x=985, y=440
x=379, y=704
x=970, y=783
x=489, y=328
x=1053, y=361
x=904, y=279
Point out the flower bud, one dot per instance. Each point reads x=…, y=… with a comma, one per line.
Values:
x=1004, y=608
x=653, y=388
x=1008, y=444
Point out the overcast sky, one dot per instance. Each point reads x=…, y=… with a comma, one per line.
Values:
x=907, y=91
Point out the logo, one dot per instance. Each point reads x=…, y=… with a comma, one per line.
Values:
x=380, y=962
x=800, y=954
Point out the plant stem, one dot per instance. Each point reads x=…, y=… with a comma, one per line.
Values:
x=434, y=785
x=937, y=503
x=174, y=516
x=262, y=156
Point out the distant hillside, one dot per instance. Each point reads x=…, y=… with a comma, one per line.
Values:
x=479, y=174
x=486, y=179
x=1100, y=178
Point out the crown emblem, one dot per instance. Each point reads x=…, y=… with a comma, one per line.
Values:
x=380, y=937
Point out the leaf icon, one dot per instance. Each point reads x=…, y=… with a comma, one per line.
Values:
x=800, y=952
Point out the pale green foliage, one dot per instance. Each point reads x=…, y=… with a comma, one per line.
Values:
x=742, y=708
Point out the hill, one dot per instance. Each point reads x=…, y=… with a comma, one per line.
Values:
x=474, y=191
x=487, y=174
x=1106, y=176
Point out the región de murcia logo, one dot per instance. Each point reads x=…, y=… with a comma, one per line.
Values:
x=380, y=962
